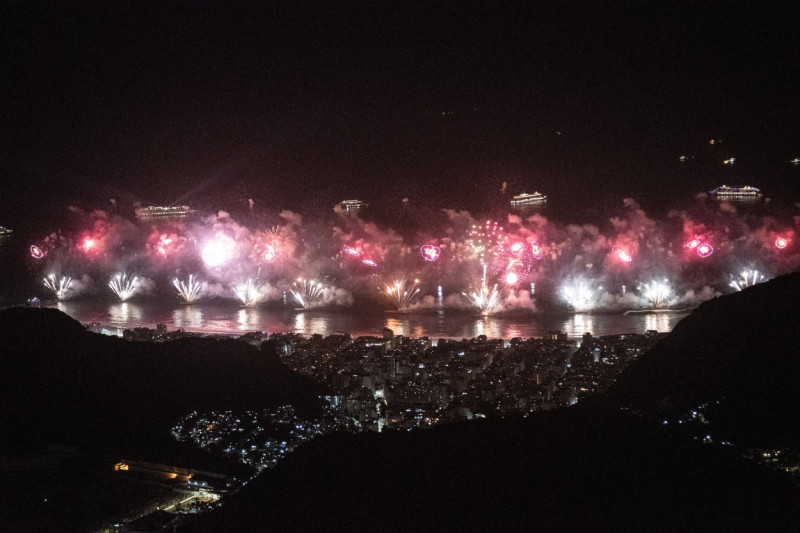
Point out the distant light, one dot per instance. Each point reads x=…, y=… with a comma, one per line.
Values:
x=36, y=252
x=512, y=278
x=730, y=161
x=781, y=243
x=430, y=252
x=218, y=251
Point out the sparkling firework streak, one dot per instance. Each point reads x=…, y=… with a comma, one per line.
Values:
x=269, y=254
x=352, y=251
x=781, y=243
x=430, y=252
x=188, y=290
x=59, y=285
x=485, y=238
x=623, y=255
x=123, y=285
x=247, y=292
x=485, y=300
x=578, y=296
x=401, y=293
x=658, y=293
x=369, y=262
x=307, y=292
x=747, y=278
x=36, y=252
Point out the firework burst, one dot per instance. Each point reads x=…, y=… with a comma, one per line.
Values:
x=401, y=293
x=189, y=290
x=578, y=296
x=658, y=293
x=747, y=278
x=307, y=292
x=59, y=285
x=485, y=299
x=123, y=285
x=247, y=292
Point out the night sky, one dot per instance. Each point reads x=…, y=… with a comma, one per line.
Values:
x=298, y=104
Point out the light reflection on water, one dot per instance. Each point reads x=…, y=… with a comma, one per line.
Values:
x=220, y=318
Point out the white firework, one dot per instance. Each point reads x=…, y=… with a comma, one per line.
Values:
x=658, y=293
x=124, y=285
x=579, y=296
x=190, y=290
x=248, y=292
x=401, y=293
x=747, y=278
x=307, y=292
x=59, y=285
x=485, y=299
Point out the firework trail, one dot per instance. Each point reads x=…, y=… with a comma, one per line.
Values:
x=247, y=292
x=60, y=286
x=401, y=293
x=578, y=296
x=747, y=278
x=123, y=285
x=189, y=290
x=307, y=292
x=658, y=293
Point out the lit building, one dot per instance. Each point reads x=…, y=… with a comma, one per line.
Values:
x=524, y=199
x=744, y=193
x=159, y=212
x=352, y=206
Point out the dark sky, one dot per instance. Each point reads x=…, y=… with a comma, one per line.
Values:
x=293, y=102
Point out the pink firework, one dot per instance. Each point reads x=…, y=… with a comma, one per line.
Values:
x=218, y=251
x=694, y=243
x=781, y=243
x=512, y=278
x=430, y=252
x=704, y=249
x=352, y=251
x=623, y=255
x=88, y=245
x=369, y=262
x=536, y=251
x=269, y=254
x=36, y=252
x=517, y=247
x=164, y=246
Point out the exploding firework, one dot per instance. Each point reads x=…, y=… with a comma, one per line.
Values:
x=536, y=251
x=218, y=251
x=123, y=285
x=694, y=243
x=781, y=243
x=704, y=249
x=512, y=278
x=88, y=245
x=164, y=246
x=189, y=290
x=269, y=254
x=658, y=293
x=485, y=299
x=578, y=296
x=369, y=262
x=247, y=292
x=36, y=252
x=401, y=293
x=430, y=252
x=747, y=278
x=517, y=247
x=59, y=285
x=623, y=255
x=485, y=238
x=352, y=251
x=307, y=292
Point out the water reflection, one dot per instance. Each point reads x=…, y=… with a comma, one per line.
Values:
x=248, y=319
x=188, y=317
x=657, y=321
x=580, y=324
x=122, y=313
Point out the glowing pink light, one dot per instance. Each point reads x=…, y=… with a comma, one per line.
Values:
x=352, y=251
x=704, y=249
x=89, y=244
x=624, y=256
x=369, y=262
x=781, y=243
x=517, y=247
x=430, y=252
x=163, y=245
x=511, y=278
x=218, y=251
x=36, y=252
x=536, y=250
x=269, y=254
x=694, y=243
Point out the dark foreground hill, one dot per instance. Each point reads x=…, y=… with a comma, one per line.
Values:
x=63, y=385
x=606, y=464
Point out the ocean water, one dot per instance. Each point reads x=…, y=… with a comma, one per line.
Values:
x=227, y=318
